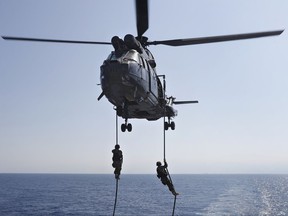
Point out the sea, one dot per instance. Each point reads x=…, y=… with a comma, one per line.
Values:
x=94, y=194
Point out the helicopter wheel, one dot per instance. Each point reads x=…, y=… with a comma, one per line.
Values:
x=126, y=126
x=123, y=127
x=129, y=127
x=166, y=125
x=172, y=125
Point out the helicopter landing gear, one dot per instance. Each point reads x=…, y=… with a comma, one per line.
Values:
x=126, y=126
x=119, y=111
x=123, y=111
x=170, y=124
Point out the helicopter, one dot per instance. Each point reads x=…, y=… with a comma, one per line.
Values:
x=128, y=76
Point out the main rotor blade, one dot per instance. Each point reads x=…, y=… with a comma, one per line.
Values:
x=214, y=39
x=142, y=16
x=184, y=102
x=52, y=40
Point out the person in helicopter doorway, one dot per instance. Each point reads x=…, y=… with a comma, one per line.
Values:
x=117, y=160
x=163, y=175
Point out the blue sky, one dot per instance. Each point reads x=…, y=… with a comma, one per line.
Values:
x=50, y=120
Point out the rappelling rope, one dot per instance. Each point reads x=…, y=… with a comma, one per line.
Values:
x=116, y=128
x=174, y=205
x=116, y=193
x=164, y=149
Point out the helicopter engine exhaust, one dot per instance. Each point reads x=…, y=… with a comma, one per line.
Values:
x=132, y=43
x=129, y=42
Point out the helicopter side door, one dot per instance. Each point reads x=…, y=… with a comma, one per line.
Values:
x=153, y=82
x=149, y=74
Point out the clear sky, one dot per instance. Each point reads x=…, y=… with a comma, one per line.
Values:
x=51, y=121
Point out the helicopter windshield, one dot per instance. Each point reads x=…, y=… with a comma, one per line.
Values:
x=112, y=57
x=130, y=55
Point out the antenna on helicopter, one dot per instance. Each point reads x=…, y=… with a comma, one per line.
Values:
x=183, y=102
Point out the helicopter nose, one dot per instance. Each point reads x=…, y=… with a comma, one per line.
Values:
x=113, y=73
x=115, y=82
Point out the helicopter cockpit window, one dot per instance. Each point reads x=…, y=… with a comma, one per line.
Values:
x=112, y=56
x=143, y=62
x=131, y=55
